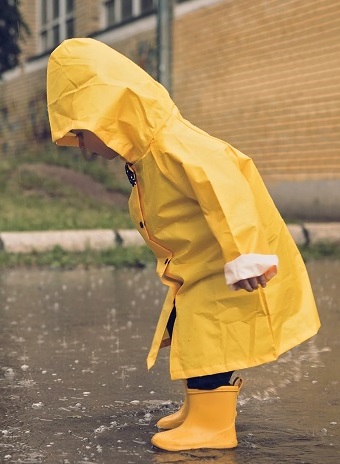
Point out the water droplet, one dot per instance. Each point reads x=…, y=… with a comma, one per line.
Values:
x=101, y=429
x=38, y=405
x=9, y=373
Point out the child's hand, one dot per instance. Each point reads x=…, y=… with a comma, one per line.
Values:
x=251, y=284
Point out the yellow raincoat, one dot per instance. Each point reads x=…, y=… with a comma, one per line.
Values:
x=199, y=204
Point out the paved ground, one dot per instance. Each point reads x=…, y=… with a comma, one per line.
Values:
x=75, y=390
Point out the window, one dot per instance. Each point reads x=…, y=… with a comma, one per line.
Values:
x=56, y=22
x=118, y=11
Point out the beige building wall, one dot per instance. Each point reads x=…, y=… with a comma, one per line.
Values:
x=264, y=75
x=260, y=74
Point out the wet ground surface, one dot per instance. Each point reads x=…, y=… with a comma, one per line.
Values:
x=75, y=389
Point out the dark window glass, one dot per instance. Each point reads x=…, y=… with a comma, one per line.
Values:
x=69, y=6
x=69, y=28
x=44, y=42
x=43, y=11
x=146, y=5
x=55, y=8
x=110, y=12
x=55, y=35
x=126, y=9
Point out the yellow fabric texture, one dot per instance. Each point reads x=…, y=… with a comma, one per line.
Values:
x=198, y=203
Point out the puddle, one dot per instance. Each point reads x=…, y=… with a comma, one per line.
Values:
x=75, y=389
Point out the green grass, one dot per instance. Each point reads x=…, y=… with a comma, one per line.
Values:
x=61, y=259
x=119, y=257
x=31, y=201
x=69, y=158
x=20, y=213
x=320, y=251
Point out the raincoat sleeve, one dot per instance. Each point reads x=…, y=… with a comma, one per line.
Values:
x=228, y=204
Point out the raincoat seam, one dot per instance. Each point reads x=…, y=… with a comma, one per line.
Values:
x=153, y=138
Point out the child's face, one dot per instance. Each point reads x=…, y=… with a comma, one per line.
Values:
x=90, y=142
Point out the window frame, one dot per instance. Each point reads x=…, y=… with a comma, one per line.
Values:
x=137, y=12
x=46, y=39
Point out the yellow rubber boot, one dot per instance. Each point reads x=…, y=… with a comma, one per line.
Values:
x=210, y=422
x=177, y=418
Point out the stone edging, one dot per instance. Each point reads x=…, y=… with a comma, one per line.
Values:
x=311, y=233
x=100, y=239
x=69, y=240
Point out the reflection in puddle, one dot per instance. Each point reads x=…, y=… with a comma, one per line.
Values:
x=75, y=388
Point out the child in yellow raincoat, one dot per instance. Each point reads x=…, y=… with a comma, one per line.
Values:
x=202, y=207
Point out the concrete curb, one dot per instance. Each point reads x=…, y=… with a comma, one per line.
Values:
x=322, y=232
x=69, y=240
x=101, y=239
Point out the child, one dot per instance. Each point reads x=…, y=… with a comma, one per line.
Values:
x=203, y=209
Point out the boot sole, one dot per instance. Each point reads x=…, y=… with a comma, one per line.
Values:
x=198, y=446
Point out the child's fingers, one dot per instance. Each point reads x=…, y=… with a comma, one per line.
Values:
x=246, y=284
x=252, y=283
x=262, y=280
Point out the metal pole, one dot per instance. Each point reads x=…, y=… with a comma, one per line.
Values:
x=165, y=10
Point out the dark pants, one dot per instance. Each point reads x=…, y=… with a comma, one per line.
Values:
x=205, y=382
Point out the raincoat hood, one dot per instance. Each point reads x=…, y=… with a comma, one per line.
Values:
x=91, y=86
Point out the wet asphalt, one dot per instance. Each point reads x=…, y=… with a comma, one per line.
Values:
x=75, y=388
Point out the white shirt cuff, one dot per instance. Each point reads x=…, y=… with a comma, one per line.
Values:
x=250, y=265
